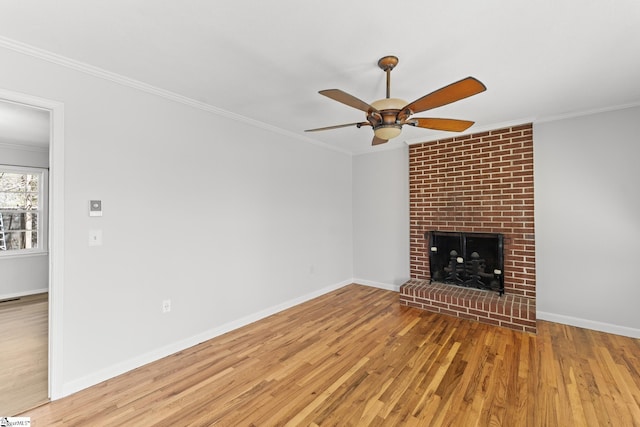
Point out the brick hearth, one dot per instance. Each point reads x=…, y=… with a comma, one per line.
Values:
x=510, y=311
x=475, y=183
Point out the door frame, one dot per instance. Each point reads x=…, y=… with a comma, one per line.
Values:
x=56, y=232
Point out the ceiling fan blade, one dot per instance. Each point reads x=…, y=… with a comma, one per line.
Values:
x=345, y=98
x=378, y=141
x=358, y=124
x=446, y=95
x=452, y=125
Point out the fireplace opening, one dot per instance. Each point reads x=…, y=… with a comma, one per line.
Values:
x=473, y=260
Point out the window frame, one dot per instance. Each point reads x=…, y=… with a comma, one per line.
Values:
x=42, y=229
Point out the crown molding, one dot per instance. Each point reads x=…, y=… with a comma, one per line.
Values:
x=472, y=130
x=533, y=120
x=154, y=90
x=575, y=114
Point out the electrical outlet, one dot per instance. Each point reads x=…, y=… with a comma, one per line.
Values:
x=166, y=306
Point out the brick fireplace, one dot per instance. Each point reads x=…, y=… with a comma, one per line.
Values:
x=478, y=183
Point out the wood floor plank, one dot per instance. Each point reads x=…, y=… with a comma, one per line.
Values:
x=24, y=353
x=355, y=357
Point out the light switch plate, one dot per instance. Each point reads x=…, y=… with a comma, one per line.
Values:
x=95, y=237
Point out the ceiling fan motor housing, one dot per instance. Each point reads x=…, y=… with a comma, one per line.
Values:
x=385, y=122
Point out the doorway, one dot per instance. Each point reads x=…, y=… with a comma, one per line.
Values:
x=45, y=302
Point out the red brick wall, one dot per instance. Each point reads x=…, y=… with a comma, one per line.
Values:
x=477, y=183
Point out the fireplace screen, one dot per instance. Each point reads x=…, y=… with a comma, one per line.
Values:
x=467, y=259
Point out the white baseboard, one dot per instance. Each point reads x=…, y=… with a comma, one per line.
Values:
x=23, y=294
x=386, y=286
x=128, y=365
x=589, y=324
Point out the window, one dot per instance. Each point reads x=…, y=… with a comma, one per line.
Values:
x=22, y=210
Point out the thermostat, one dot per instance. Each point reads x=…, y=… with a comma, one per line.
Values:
x=95, y=208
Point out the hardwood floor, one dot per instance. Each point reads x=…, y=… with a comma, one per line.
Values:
x=23, y=353
x=356, y=357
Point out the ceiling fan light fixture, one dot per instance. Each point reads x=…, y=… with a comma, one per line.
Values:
x=388, y=108
x=387, y=131
x=389, y=104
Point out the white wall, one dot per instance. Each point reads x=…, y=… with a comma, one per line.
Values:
x=381, y=218
x=588, y=220
x=264, y=220
x=23, y=275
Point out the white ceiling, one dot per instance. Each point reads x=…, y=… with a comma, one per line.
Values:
x=267, y=60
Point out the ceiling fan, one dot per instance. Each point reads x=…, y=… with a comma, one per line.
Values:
x=387, y=116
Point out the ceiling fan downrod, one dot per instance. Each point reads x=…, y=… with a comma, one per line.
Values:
x=387, y=64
